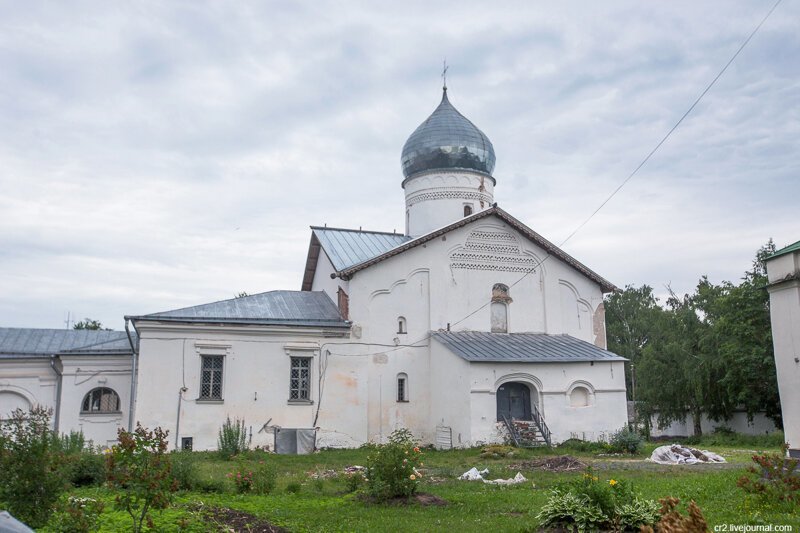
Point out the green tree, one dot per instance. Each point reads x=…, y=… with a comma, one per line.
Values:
x=88, y=323
x=634, y=320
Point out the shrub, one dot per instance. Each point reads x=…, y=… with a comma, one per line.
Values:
x=32, y=476
x=184, y=470
x=70, y=444
x=392, y=467
x=672, y=520
x=776, y=479
x=86, y=469
x=232, y=439
x=590, y=504
x=294, y=487
x=585, y=446
x=242, y=479
x=139, y=468
x=353, y=481
x=77, y=515
x=626, y=441
x=264, y=477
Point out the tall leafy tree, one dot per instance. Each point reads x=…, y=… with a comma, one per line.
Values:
x=88, y=323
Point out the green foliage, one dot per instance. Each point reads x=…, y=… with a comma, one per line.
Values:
x=392, y=467
x=242, y=478
x=583, y=446
x=294, y=487
x=86, y=469
x=265, y=476
x=88, y=323
x=590, y=504
x=31, y=468
x=184, y=470
x=353, y=481
x=232, y=438
x=139, y=469
x=70, y=444
x=774, y=477
x=77, y=515
x=626, y=440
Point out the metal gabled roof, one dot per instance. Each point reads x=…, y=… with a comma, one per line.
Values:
x=479, y=346
x=35, y=342
x=787, y=250
x=347, y=247
x=292, y=308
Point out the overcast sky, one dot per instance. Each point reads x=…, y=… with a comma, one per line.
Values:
x=158, y=155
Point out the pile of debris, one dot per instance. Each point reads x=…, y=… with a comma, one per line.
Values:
x=330, y=473
x=473, y=474
x=561, y=463
x=675, y=454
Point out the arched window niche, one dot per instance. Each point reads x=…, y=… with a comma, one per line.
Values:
x=100, y=400
x=467, y=210
x=580, y=394
x=402, y=387
x=499, y=308
x=402, y=327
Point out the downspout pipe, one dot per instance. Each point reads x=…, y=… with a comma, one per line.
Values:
x=57, y=416
x=133, y=377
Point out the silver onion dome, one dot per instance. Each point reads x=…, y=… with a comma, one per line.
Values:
x=447, y=140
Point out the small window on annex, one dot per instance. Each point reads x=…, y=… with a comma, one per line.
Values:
x=402, y=387
x=401, y=325
x=579, y=397
x=211, y=377
x=300, y=379
x=100, y=400
x=467, y=210
x=499, y=308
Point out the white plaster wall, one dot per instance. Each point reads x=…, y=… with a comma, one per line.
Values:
x=760, y=425
x=437, y=198
x=785, y=318
x=606, y=413
x=81, y=374
x=25, y=383
x=322, y=278
x=450, y=394
x=255, y=383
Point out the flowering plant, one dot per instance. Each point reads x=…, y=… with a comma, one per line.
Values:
x=242, y=479
x=393, y=468
x=77, y=515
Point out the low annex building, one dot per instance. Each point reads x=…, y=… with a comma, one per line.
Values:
x=468, y=328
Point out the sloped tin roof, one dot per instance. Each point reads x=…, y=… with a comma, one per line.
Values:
x=478, y=347
x=34, y=342
x=787, y=250
x=346, y=247
x=293, y=308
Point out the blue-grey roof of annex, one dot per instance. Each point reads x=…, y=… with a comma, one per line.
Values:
x=35, y=342
x=290, y=308
x=478, y=346
x=447, y=140
x=347, y=247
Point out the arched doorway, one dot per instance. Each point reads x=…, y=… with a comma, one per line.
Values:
x=514, y=401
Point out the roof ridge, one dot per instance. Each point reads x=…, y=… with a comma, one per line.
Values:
x=216, y=302
x=358, y=230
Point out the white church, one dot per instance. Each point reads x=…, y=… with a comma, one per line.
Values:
x=469, y=328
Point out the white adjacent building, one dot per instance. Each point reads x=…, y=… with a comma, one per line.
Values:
x=783, y=273
x=467, y=322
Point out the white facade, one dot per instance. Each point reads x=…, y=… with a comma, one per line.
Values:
x=783, y=270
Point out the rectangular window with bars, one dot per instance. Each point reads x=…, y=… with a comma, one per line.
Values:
x=300, y=379
x=211, y=377
x=401, y=388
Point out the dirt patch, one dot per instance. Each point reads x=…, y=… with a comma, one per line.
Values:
x=561, y=463
x=233, y=520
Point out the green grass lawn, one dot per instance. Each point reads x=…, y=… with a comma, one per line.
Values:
x=472, y=506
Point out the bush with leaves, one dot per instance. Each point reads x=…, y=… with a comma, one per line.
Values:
x=774, y=477
x=626, y=440
x=86, y=469
x=139, y=468
x=672, y=521
x=392, y=468
x=77, y=515
x=184, y=470
x=232, y=438
x=31, y=470
x=590, y=504
x=71, y=443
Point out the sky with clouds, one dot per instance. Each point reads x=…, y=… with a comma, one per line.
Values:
x=155, y=155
